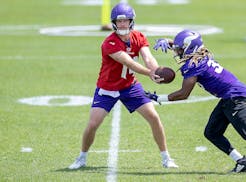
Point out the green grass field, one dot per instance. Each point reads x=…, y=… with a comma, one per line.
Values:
x=34, y=65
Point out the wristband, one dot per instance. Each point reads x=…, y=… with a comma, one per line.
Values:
x=163, y=98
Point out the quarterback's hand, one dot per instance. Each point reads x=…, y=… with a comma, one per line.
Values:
x=152, y=96
x=164, y=44
x=155, y=78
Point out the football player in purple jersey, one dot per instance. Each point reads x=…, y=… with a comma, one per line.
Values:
x=199, y=66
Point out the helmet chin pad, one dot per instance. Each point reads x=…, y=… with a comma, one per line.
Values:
x=123, y=32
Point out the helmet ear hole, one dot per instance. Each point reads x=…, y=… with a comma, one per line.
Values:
x=131, y=24
x=114, y=24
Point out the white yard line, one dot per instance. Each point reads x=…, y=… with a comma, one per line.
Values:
x=76, y=100
x=95, y=30
x=119, y=151
x=46, y=57
x=79, y=57
x=142, y=2
x=114, y=144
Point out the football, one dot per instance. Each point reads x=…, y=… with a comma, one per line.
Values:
x=165, y=72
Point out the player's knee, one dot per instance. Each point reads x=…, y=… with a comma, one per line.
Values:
x=92, y=126
x=208, y=134
x=155, y=118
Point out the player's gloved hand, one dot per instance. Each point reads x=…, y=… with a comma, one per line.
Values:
x=152, y=96
x=163, y=44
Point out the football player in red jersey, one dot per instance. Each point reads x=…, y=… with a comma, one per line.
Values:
x=120, y=52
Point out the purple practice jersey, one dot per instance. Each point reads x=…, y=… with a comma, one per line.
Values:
x=214, y=78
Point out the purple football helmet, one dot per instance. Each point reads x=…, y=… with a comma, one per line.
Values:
x=187, y=42
x=122, y=11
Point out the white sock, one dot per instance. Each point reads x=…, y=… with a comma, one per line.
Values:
x=235, y=155
x=83, y=154
x=165, y=154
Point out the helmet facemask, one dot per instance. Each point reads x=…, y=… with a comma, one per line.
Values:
x=178, y=54
x=125, y=31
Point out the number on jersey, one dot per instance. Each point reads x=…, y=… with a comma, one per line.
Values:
x=216, y=66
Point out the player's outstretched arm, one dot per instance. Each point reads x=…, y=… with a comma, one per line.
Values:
x=181, y=94
x=123, y=58
x=149, y=60
x=151, y=63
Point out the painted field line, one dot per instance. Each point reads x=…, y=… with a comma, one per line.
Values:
x=141, y=2
x=95, y=30
x=78, y=57
x=74, y=100
x=191, y=99
x=114, y=144
x=41, y=57
x=119, y=151
x=147, y=29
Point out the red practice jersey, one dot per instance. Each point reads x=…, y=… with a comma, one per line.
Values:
x=114, y=75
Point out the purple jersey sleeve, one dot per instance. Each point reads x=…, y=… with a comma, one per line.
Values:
x=214, y=78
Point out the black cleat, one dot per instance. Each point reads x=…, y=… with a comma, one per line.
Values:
x=240, y=166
